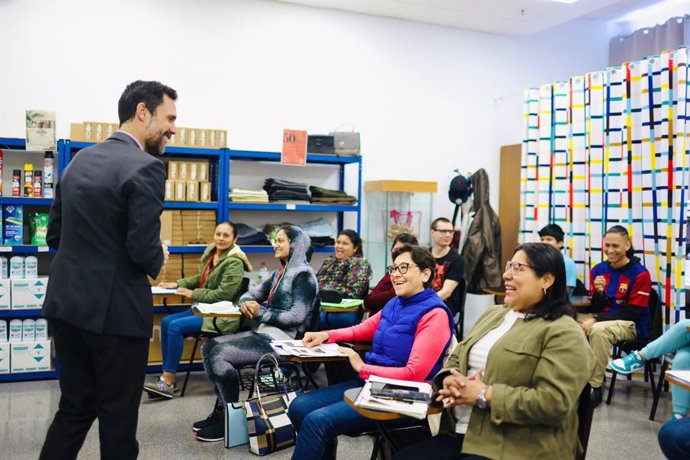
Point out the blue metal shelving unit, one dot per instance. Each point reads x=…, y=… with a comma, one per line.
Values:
x=312, y=158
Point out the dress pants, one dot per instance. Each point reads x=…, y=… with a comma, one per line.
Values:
x=100, y=377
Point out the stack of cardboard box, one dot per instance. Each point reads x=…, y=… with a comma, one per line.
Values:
x=171, y=272
x=188, y=181
x=96, y=131
x=197, y=226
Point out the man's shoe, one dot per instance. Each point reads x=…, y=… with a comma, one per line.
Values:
x=218, y=415
x=628, y=364
x=212, y=433
x=595, y=397
x=160, y=389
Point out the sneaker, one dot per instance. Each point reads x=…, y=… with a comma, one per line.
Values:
x=212, y=433
x=160, y=389
x=677, y=416
x=628, y=364
x=596, y=397
x=218, y=415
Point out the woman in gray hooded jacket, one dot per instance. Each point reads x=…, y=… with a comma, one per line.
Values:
x=279, y=308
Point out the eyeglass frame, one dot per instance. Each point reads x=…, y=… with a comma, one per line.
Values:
x=391, y=269
x=510, y=263
x=445, y=232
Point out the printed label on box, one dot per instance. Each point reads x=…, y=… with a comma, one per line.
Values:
x=4, y=357
x=28, y=293
x=30, y=356
x=5, y=287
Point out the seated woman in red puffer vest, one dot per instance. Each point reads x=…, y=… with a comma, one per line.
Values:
x=409, y=337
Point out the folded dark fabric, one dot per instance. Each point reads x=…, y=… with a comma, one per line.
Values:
x=244, y=231
x=322, y=241
x=341, y=200
x=271, y=182
x=324, y=192
x=254, y=240
x=288, y=195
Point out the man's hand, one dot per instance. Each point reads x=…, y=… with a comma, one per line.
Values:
x=166, y=254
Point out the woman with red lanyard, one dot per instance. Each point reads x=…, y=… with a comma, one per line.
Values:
x=278, y=308
x=221, y=271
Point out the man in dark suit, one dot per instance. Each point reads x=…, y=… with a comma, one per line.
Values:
x=105, y=225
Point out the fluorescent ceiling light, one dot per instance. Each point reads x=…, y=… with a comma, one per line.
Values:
x=657, y=12
x=565, y=1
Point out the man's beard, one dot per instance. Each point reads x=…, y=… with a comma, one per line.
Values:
x=155, y=146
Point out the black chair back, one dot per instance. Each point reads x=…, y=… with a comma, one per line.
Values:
x=457, y=307
x=656, y=324
x=585, y=411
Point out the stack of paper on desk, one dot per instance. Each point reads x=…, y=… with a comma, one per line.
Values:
x=297, y=348
x=159, y=290
x=682, y=376
x=417, y=409
x=218, y=308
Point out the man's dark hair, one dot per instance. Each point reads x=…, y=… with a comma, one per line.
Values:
x=149, y=92
x=552, y=230
x=439, y=219
x=422, y=257
x=405, y=238
x=620, y=230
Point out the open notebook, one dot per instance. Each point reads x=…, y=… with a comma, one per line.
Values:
x=219, y=308
x=297, y=348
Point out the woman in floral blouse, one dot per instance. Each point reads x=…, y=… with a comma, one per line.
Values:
x=348, y=272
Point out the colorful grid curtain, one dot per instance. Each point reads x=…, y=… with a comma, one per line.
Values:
x=611, y=148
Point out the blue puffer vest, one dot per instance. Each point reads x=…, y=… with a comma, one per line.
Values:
x=394, y=337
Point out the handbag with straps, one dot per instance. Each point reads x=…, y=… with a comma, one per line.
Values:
x=268, y=423
x=346, y=142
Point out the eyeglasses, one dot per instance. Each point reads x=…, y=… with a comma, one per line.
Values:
x=402, y=268
x=446, y=232
x=514, y=267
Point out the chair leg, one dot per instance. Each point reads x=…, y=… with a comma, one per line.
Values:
x=377, y=446
x=657, y=392
x=611, y=385
x=189, y=367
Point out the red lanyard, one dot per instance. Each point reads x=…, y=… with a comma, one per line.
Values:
x=207, y=270
x=275, y=285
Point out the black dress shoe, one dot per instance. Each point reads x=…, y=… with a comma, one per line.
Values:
x=595, y=397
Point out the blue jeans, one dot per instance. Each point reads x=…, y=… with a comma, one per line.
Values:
x=330, y=321
x=677, y=339
x=674, y=439
x=320, y=416
x=173, y=329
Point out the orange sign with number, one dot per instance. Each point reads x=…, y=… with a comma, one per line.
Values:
x=294, y=147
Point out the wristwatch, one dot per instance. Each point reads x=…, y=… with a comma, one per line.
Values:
x=480, y=402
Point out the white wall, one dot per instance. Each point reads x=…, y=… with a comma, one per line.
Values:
x=427, y=99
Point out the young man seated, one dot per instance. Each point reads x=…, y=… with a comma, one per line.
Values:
x=450, y=266
x=620, y=288
x=553, y=234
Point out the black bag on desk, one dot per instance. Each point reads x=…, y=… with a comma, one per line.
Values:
x=320, y=143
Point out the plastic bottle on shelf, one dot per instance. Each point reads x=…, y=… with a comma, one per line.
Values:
x=48, y=174
x=38, y=184
x=16, y=267
x=16, y=183
x=28, y=330
x=41, y=329
x=4, y=267
x=15, y=334
x=3, y=330
x=28, y=180
x=263, y=272
x=30, y=267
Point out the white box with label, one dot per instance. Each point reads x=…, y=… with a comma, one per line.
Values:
x=30, y=356
x=4, y=357
x=28, y=293
x=5, y=287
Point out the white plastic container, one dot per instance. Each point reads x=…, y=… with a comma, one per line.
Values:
x=15, y=330
x=30, y=267
x=4, y=267
x=41, y=329
x=28, y=330
x=16, y=268
x=3, y=330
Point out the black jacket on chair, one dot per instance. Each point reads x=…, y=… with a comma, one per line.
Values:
x=105, y=225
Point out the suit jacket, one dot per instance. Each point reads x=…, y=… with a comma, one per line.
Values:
x=105, y=225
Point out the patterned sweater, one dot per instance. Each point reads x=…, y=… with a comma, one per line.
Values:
x=350, y=276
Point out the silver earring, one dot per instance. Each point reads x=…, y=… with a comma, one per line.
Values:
x=544, y=291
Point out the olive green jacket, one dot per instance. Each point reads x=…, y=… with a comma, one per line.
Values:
x=223, y=283
x=537, y=371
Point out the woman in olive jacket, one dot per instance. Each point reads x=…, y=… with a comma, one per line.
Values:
x=220, y=278
x=511, y=387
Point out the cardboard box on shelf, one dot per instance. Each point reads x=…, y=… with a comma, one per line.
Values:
x=169, y=190
x=173, y=173
x=4, y=357
x=180, y=190
x=182, y=170
x=205, y=191
x=30, y=356
x=76, y=132
x=13, y=223
x=28, y=293
x=155, y=355
x=5, y=294
x=203, y=170
x=192, y=190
